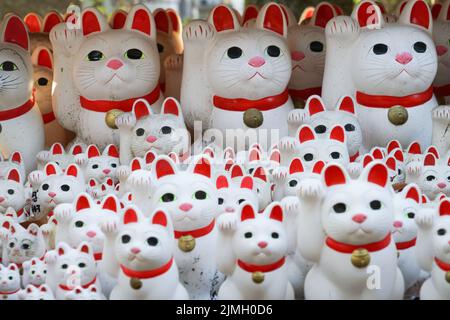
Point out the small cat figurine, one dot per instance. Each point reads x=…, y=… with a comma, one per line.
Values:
x=15, y=161
x=9, y=282
x=21, y=127
x=253, y=249
x=13, y=194
x=89, y=293
x=232, y=195
x=433, y=247
x=99, y=166
x=41, y=292
x=39, y=28
x=58, y=155
x=34, y=272
x=98, y=69
x=140, y=253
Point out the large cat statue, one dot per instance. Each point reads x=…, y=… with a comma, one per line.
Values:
x=21, y=125
x=98, y=69
x=388, y=67
x=235, y=79
x=39, y=28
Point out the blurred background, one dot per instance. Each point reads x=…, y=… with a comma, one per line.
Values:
x=188, y=9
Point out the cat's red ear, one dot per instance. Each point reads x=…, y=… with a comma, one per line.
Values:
x=72, y=171
x=150, y=156
x=163, y=166
x=247, y=183
x=272, y=18
x=203, y=167
x=221, y=182
x=92, y=21
x=33, y=22
x=236, y=171
x=398, y=155
x=141, y=109
x=250, y=13
x=417, y=13
x=223, y=18
x=347, y=104
x=15, y=32
x=377, y=173
x=175, y=20
x=254, y=155
x=433, y=150
x=377, y=153
x=338, y=133
x=392, y=145
x=62, y=249
x=13, y=267
x=111, y=203
x=171, y=106
x=338, y=10
x=323, y=13
x=314, y=105
x=141, y=20
x=118, y=19
x=260, y=173
x=14, y=175
x=275, y=155
x=367, y=159
x=92, y=151
x=429, y=160
x=76, y=149
x=413, y=192
x=160, y=218
x=130, y=216
x=296, y=166
x=444, y=207
x=229, y=163
x=247, y=212
x=93, y=182
x=368, y=14
x=57, y=148
x=334, y=175
x=135, y=164
x=85, y=248
x=83, y=203
x=162, y=21
x=318, y=167
x=43, y=288
x=306, y=133
x=112, y=151
x=414, y=148
x=391, y=163
x=276, y=213
x=16, y=157
x=435, y=10
x=51, y=19
x=50, y=169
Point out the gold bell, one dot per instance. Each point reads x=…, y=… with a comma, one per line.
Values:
x=360, y=258
x=397, y=115
x=253, y=118
x=110, y=118
x=186, y=243
x=447, y=276
x=135, y=283
x=258, y=277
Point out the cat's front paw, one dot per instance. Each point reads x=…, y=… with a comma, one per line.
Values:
x=227, y=222
x=280, y=173
x=425, y=219
x=126, y=121
x=66, y=39
x=47, y=229
x=122, y=173
x=81, y=159
x=110, y=228
x=441, y=113
x=354, y=169
x=174, y=62
x=342, y=27
x=297, y=117
x=414, y=168
x=63, y=213
x=140, y=181
x=36, y=178
x=290, y=204
x=198, y=30
x=43, y=157
x=310, y=188
x=287, y=144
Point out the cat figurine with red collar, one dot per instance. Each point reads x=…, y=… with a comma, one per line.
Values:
x=142, y=130
x=69, y=268
x=15, y=161
x=98, y=69
x=41, y=292
x=350, y=215
x=253, y=251
x=232, y=195
x=21, y=124
x=34, y=272
x=9, y=282
x=235, y=79
x=99, y=165
x=193, y=211
x=388, y=67
x=307, y=48
x=139, y=252
x=433, y=250
x=42, y=60
x=39, y=28
x=13, y=194
x=58, y=155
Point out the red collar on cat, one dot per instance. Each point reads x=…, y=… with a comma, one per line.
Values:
x=9, y=292
x=354, y=157
x=304, y=94
x=406, y=244
x=98, y=256
x=241, y=104
x=48, y=117
x=84, y=286
x=442, y=265
x=19, y=111
x=197, y=233
x=349, y=248
x=443, y=91
x=124, y=105
x=384, y=102
x=261, y=268
x=146, y=274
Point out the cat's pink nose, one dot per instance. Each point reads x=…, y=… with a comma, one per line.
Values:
x=52, y=194
x=297, y=55
x=114, y=64
x=262, y=244
x=257, y=62
x=359, y=218
x=91, y=234
x=229, y=209
x=398, y=224
x=106, y=171
x=186, y=206
x=2, y=199
x=404, y=57
x=151, y=139
x=441, y=50
x=441, y=185
x=135, y=250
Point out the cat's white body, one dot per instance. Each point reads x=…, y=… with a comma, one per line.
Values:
x=9, y=282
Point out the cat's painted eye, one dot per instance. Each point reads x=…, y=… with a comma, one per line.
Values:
x=273, y=51
x=167, y=197
x=95, y=166
x=411, y=215
x=293, y=183
x=234, y=52
x=340, y=207
x=320, y=129
x=8, y=66
x=11, y=244
x=251, y=170
x=42, y=81
x=308, y=157
x=10, y=192
x=316, y=46
x=64, y=266
x=126, y=238
x=160, y=48
x=79, y=224
x=113, y=165
x=380, y=48
x=152, y=241
x=95, y=55
x=335, y=155
x=140, y=132
x=430, y=177
x=349, y=127
x=248, y=235
x=166, y=130
x=82, y=265
x=441, y=232
x=220, y=201
x=10, y=277
x=33, y=272
x=65, y=187
x=420, y=47
x=45, y=271
x=375, y=204
x=399, y=171
x=275, y=235
x=200, y=195
x=241, y=201
x=135, y=54
x=25, y=246
x=45, y=187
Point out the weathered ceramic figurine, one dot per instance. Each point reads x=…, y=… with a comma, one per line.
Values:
x=39, y=29
x=97, y=71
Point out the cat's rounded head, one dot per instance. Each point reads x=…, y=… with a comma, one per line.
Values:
x=24, y=244
x=232, y=194
x=441, y=231
x=36, y=271
x=42, y=60
x=101, y=166
x=9, y=278
x=12, y=192
x=407, y=204
x=298, y=173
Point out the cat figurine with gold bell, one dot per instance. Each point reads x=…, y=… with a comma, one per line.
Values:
x=345, y=229
x=433, y=250
x=139, y=252
x=253, y=248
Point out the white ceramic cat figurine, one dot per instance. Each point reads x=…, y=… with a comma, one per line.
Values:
x=232, y=195
x=21, y=124
x=193, y=211
x=98, y=69
x=433, y=248
x=389, y=69
x=235, y=79
x=14, y=195
x=15, y=161
x=31, y=292
x=99, y=166
x=34, y=272
x=9, y=282
x=253, y=249
x=139, y=252
x=351, y=215
x=57, y=154
x=89, y=293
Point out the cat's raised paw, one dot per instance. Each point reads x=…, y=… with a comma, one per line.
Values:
x=126, y=121
x=342, y=26
x=227, y=221
x=174, y=62
x=198, y=31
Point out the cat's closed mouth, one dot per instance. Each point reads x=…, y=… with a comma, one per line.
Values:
x=257, y=73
